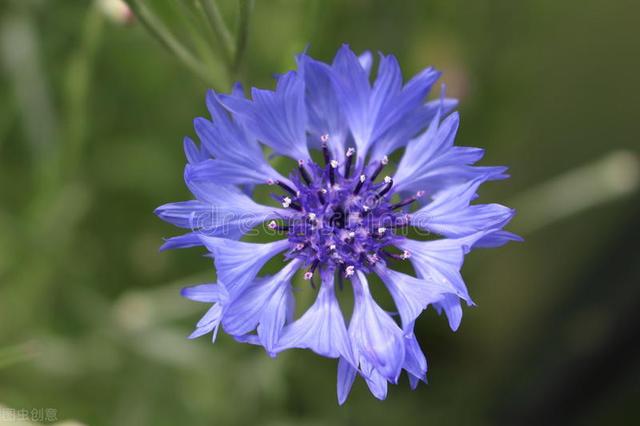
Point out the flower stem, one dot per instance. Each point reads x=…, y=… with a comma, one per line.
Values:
x=220, y=29
x=246, y=7
x=164, y=36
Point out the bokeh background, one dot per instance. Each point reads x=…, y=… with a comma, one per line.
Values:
x=93, y=110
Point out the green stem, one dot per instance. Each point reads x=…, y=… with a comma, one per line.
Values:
x=155, y=27
x=220, y=29
x=77, y=84
x=246, y=7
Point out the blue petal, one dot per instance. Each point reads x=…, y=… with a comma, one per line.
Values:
x=366, y=60
x=415, y=362
x=228, y=173
x=351, y=83
x=374, y=335
x=321, y=328
x=497, y=239
x=376, y=382
x=441, y=260
x=398, y=105
x=450, y=214
x=323, y=107
x=431, y=162
x=404, y=130
x=411, y=295
x=346, y=376
x=238, y=263
x=191, y=239
x=263, y=301
x=385, y=89
x=452, y=308
x=210, y=322
x=277, y=311
x=225, y=138
x=225, y=210
x=277, y=118
x=208, y=293
x=192, y=152
x=183, y=213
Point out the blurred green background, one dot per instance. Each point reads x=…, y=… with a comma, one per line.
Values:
x=92, y=115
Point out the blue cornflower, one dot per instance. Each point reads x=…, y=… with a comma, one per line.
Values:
x=341, y=218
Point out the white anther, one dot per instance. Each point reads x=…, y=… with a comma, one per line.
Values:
x=286, y=202
x=332, y=247
x=271, y=182
x=324, y=138
x=350, y=152
x=382, y=230
x=312, y=216
x=419, y=194
x=308, y=275
x=365, y=208
x=405, y=255
x=385, y=160
x=349, y=270
x=272, y=224
x=363, y=178
x=387, y=179
x=334, y=163
x=300, y=162
x=299, y=246
x=352, y=234
x=324, y=191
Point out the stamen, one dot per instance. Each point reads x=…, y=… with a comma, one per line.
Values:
x=359, y=185
x=332, y=173
x=286, y=202
x=386, y=188
x=347, y=167
x=304, y=173
x=382, y=230
x=376, y=172
x=405, y=255
x=282, y=185
x=273, y=225
x=325, y=150
x=300, y=246
x=373, y=258
x=407, y=201
x=394, y=256
x=349, y=271
x=321, y=196
x=312, y=217
x=309, y=274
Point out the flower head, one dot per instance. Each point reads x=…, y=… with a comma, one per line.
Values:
x=340, y=217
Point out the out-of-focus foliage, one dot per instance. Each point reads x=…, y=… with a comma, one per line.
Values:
x=92, y=114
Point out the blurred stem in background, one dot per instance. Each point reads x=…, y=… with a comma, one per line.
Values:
x=614, y=176
x=218, y=66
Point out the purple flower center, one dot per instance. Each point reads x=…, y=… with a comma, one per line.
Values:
x=343, y=216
